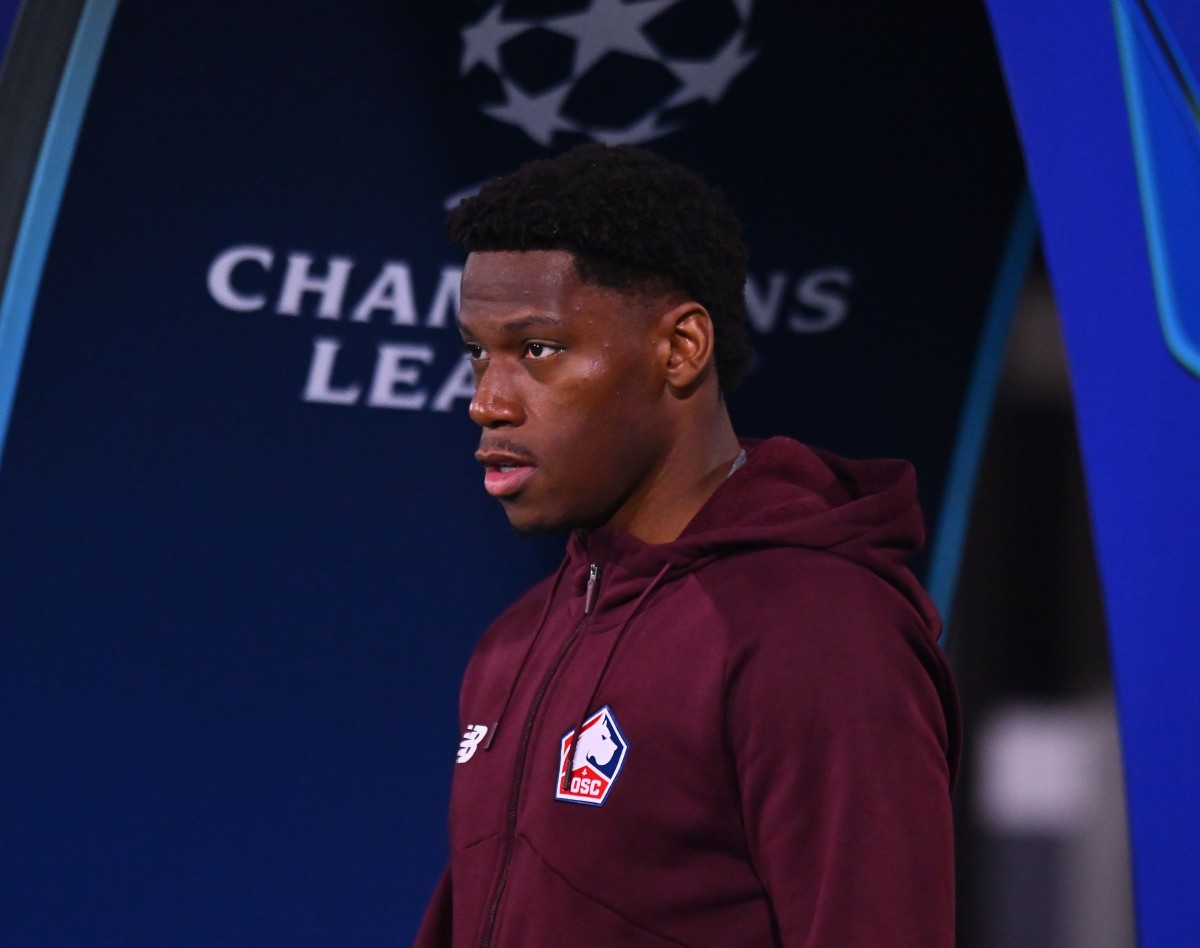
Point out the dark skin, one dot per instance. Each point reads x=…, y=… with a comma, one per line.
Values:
x=597, y=406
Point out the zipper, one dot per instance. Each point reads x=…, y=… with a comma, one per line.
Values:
x=589, y=597
x=589, y=600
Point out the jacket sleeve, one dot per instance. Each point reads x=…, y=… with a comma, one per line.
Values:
x=842, y=722
x=436, y=930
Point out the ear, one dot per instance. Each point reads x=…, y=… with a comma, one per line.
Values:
x=692, y=344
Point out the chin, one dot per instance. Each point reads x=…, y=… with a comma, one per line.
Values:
x=539, y=529
x=533, y=526
x=541, y=523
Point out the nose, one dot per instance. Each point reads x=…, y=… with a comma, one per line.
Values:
x=494, y=404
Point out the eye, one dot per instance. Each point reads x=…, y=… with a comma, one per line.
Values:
x=475, y=351
x=539, y=350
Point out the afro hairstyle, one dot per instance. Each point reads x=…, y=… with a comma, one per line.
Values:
x=633, y=221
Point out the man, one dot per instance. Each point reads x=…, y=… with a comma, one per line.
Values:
x=724, y=720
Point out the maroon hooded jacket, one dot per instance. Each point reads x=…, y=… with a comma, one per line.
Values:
x=763, y=732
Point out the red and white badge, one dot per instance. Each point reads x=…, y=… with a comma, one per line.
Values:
x=600, y=753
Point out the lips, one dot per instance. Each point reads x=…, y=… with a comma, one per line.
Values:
x=506, y=480
x=506, y=471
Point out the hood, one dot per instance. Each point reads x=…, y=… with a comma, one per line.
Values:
x=787, y=494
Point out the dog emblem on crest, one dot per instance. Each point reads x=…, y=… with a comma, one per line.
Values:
x=600, y=751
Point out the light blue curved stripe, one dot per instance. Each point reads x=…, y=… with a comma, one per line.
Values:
x=1132, y=33
x=948, y=538
x=45, y=195
x=1133, y=82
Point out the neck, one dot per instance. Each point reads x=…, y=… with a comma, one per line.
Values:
x=698, y=461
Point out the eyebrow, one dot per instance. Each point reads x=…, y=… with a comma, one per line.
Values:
x=533, y=319
x=526, y=322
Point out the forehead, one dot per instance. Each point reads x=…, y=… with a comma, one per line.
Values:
x=540, y=278
x=511, y=290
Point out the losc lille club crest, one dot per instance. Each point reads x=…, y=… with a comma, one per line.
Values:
x=599, y=755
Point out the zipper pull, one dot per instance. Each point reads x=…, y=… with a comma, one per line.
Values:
x=589, y=598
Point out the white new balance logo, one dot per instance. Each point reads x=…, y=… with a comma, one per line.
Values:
x=470, y=741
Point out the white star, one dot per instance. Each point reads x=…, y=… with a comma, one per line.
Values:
x=609, y=26
x=451, y=202
x=646, y=130
x=708, y=79
x=482, y=41
x=537, y=115
x=743, y=8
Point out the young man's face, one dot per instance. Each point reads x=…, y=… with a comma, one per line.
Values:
x=570, y=390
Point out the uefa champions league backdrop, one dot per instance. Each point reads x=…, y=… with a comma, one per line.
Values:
x=244, y=549
x=1108, y=100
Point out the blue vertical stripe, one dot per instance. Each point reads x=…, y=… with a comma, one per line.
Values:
x=8, y=17
x=45, y=195
x=949, y=537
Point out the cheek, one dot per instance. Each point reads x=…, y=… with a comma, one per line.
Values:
x=591, y=391
x=618, y=375
x=600, y=411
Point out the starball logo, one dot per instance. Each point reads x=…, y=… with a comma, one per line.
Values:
x=618, y=71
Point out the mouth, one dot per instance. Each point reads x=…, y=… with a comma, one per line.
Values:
x=505, y=474
x=506, y=480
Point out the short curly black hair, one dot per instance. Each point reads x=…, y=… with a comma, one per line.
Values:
x=633, y=221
